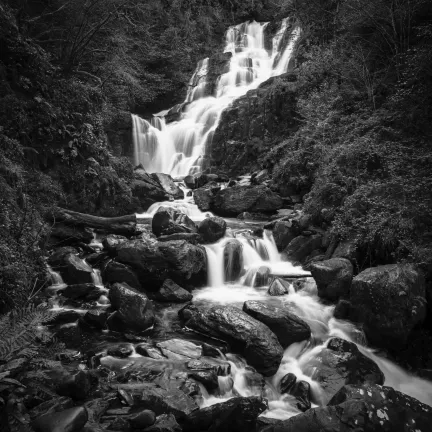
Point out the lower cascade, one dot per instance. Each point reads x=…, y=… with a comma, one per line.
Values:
x=256, y=330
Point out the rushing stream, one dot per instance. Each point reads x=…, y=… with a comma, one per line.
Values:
x=177, y=148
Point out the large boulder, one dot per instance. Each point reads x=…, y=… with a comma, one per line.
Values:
x=168, y=185
x=389, y=301
x=212, y=229
x=233, y=260
x=146, y=189
x=187, y=263
x=333, y=277
x=238, y=414
x=341, y=363
x=368, y=408
x=302, y=246
x=133, y=309
x=118, y=272
x=144, y=257
x=283, y=233
x=111, y=241
x=258, y=344
x=253, y=199
x=168, y=220
x=171, y=292
x=204, y=196
x=76, y=271
x=288, y=328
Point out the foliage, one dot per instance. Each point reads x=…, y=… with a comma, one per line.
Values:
x=363, y=147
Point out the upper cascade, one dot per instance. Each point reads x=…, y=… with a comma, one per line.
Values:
x=178, y=148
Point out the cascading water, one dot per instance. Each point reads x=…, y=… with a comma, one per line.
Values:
x=177, y=148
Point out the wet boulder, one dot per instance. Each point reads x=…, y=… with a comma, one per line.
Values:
x=238, y=414
x=233, y=260
x=168, y=220
x=76, y=270
x=333, y=277
x=389, y=301
x=144, y=257
x=168, y=185
x=189, y=181
x=302, y=246
x=143, y=419
x=253, y=339
x=118, y=272
x=368, y=408
x=204, y=196
x=180, y=349
x=95, y=318
x=278, y=287
x=69, y=420
x=111, y=241
x=57, y=260
x=121, y=350
x=341, y=363
x=186, y=263
x=239, y=199
x=287, y=383
x=283, y=233
x=171, y=292
x=133, y=309
x=212, y=229
x=288, y=328
x=146, y=189
x=262, y=276
x=147, y=350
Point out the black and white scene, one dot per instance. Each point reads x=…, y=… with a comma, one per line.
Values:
x=216, y=215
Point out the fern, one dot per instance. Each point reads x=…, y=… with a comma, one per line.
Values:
x=22, y=332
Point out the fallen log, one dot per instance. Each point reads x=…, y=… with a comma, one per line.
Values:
x=124, y=225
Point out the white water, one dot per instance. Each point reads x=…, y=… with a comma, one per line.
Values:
x=186, y=205
x=177, y=148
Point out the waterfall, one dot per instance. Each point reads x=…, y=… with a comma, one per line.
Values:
x=177, y=148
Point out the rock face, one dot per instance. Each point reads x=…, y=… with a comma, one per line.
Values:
x=133, y=309
x=235, y=415
x=333, y=277
x=251, y=122
x=146, y=189
x=233, y=260
x=171, y=292
x=389, y=301
x=212, y=229
x=238, y=199
x=253, y=339
x=368, y=408
x=168, y=220
x=278, y=287
x=341, y=363
x=288, y=327
x=168, y=185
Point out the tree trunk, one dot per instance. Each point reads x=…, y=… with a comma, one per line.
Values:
x=124, y=225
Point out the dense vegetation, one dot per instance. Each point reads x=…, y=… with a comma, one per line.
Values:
x=362, y=152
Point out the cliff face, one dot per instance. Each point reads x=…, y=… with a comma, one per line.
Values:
x=252, y=124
